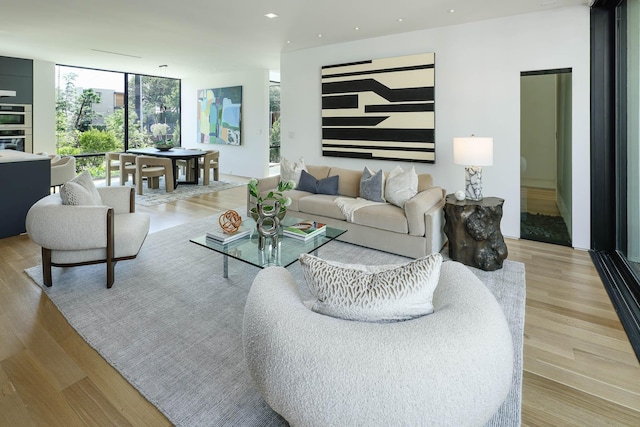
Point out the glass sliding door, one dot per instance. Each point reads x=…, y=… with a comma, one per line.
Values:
x=99, y=111
x=89, y=104
x=632, y=250
x=154, y=110
x=615, y=154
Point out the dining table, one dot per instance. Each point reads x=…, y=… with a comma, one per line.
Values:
x=175, y=154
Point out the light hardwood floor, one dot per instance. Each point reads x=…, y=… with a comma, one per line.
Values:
x=579, y=368
x=538, y=200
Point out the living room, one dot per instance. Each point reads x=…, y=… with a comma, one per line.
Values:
x=478, y=67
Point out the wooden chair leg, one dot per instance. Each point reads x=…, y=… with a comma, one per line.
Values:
x=111, y=272
x=111, y=264
x=46, y=267
x=215, y=174
x=206, y=173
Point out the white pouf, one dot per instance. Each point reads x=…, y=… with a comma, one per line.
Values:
x=450, y=368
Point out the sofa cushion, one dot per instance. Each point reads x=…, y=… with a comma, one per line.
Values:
x=322, y=205
x=384, y=217
x=80, y=191
x=379, y=293
x=290, y=171
x=401, y=186
x=295, y=196
x=318, y=172
x=372, y=185
x=309, y=183
x=349, y=184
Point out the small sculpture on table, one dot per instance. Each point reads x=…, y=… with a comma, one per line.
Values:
x=268, y=225
x=230, y=221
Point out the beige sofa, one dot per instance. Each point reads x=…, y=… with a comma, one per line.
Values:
x=414, y=231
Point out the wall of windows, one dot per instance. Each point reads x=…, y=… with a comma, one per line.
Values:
x=99, y=111
x=615, y=156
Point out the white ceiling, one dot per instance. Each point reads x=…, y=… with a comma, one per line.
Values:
x=195, y=37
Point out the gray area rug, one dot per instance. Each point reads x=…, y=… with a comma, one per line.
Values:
x=171, y=324
x=156, y=196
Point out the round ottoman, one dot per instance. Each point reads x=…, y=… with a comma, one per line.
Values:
x=450, y=368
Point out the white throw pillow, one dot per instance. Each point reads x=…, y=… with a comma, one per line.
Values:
x=401, y=186
x=382, y=293
x=290, y=171
x=80, y=191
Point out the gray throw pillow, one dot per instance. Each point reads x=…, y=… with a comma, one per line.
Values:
x=378, y=293
x=372, y=185
x=309, y=183
x=80, y=191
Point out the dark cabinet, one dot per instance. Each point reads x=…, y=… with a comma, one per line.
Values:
x=26, y=178
x=16, y=74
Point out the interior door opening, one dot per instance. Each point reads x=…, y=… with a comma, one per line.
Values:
x=545, y=156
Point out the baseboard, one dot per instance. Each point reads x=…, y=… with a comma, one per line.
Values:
x=623, y=289
x=538, y=183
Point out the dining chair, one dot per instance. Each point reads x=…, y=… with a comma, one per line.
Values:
x=112, y=164
x=208, y=162
x=185, y=167
x=127, y=167
x=152, y=168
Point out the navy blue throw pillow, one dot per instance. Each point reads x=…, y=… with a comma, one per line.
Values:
x=318, y=186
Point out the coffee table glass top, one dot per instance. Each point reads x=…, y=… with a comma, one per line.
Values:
x=289, y=248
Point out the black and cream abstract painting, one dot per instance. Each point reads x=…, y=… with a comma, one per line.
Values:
x=380, y=109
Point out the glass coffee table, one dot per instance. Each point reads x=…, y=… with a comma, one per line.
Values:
x=288, y=251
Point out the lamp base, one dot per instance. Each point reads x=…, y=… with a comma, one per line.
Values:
x=473, y=183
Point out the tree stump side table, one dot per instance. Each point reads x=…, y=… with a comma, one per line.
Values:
x=473, y=230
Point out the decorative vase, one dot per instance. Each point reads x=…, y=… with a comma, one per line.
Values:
x=268, y=224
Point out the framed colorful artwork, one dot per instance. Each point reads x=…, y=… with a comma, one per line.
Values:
x=219, y=115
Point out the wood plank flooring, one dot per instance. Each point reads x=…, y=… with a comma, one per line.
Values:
x=538, y=200
x=579, y=368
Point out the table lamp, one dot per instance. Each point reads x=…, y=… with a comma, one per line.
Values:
x=473, y=152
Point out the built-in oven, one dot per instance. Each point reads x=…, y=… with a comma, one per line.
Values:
x=15, y=127
x=15, y=115
x=16, y=139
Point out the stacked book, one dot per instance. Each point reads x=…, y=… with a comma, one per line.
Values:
x=305, y=230
x=219, y=236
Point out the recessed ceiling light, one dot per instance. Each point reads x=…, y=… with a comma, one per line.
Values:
x=319, y=35
x=288, y=41
x=451, y=10
x=356, y=28
x=399, y=19
x=271, y=15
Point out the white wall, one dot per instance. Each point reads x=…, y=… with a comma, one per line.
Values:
x=44, y=107
x=251, y=158
x=478, y=69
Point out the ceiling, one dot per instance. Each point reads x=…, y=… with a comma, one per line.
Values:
x=196, y=37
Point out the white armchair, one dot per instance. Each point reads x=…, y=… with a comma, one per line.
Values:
x=80, y=235
x=62, y=170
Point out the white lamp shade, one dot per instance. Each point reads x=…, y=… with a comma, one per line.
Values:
x=473, y=151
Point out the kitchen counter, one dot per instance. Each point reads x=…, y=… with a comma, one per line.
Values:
x=25, y=179
x=7, y=156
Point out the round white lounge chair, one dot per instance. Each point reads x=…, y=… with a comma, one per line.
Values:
x=450, y=368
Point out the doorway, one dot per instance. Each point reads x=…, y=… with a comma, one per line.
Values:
x=545, y=156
